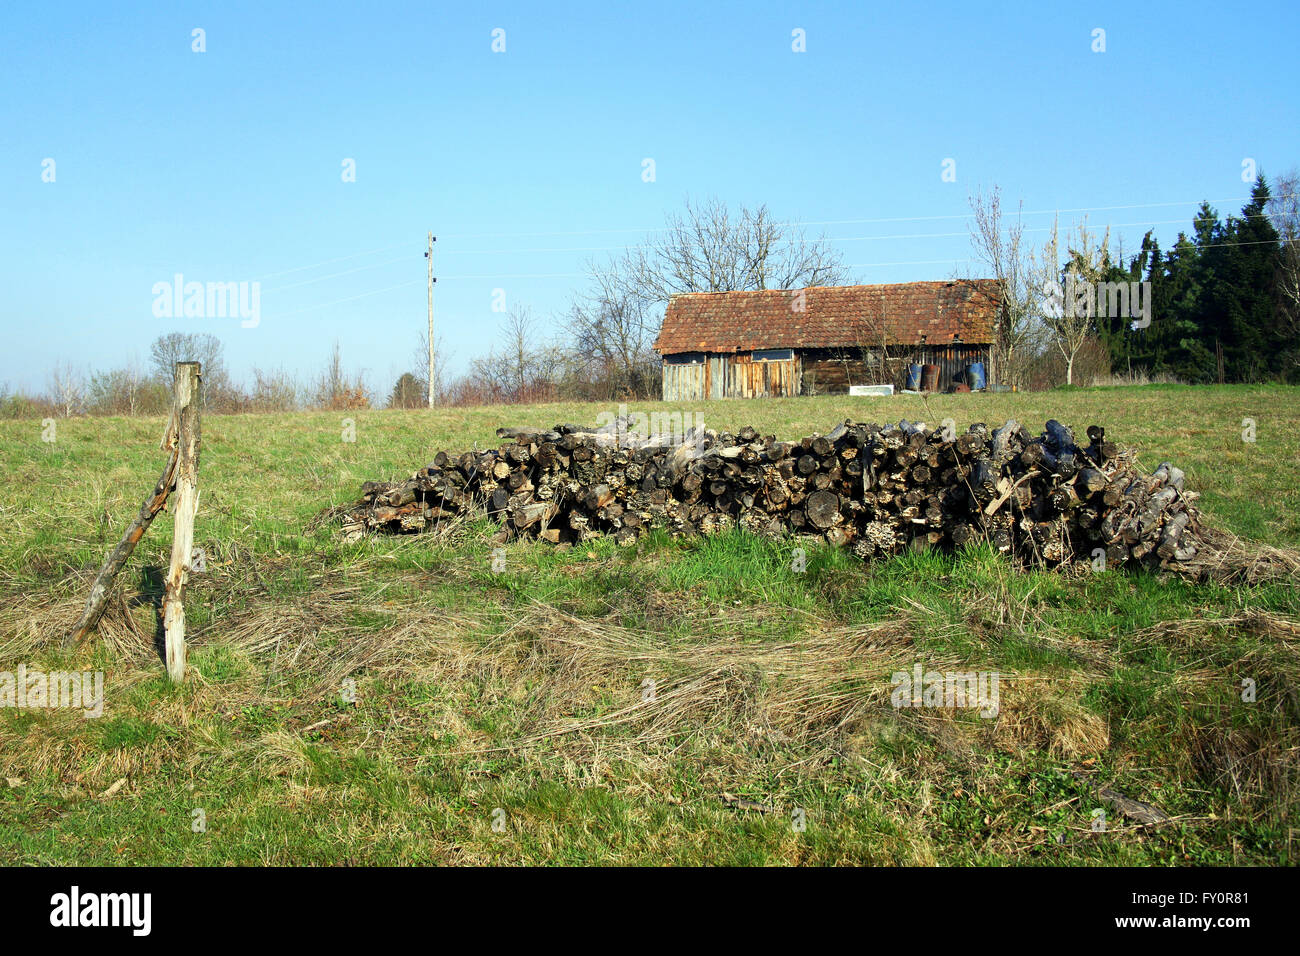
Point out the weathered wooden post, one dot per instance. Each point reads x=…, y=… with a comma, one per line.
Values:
x=152, y=505
x=187, y=436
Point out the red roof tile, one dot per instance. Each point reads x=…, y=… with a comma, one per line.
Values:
x=833, y=317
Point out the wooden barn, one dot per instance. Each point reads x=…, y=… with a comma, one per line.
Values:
x=780, y=342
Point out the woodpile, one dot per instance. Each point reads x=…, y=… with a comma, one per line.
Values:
x=877, y=490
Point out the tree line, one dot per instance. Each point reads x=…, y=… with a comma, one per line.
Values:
x=1225, y=298
x=136, y=389
x=1223, y=304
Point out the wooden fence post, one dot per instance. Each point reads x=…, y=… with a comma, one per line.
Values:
x=187, y=422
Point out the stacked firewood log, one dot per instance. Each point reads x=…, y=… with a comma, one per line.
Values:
x=878, y=490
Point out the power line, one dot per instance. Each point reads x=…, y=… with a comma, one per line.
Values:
x=578, y=275
x=857, y=265
x=361, y=295
x=825, y=222
x=898, y=237
x=845, y=222
x=334, y=275
x=829, y=239
x=356, y=255
x=583, y=275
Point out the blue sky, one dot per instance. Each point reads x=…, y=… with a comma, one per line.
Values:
x=227, y=165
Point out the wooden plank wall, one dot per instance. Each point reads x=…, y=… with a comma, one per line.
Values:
x=746, y=378
x=738, y=376
x=731, y=376
x=683, y=383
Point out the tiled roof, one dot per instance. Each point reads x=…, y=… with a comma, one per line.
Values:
x=832, y=317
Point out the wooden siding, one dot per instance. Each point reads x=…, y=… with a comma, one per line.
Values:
x=738, y=376
x=731, y=376
x=686, y=383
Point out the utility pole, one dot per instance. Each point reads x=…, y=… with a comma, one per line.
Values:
x=429, y=255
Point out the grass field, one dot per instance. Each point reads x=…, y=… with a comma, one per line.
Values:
x=504, y=717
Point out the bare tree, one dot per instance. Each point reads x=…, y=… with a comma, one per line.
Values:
x=520, y=359
x=420, y=364
x=870, y=355
x=880, y=366
x=174, y=347
x=488, y=381
x=523, y=369
x=709, y=248
x=1284, y=212
x=335, y=389
x=125, y=391
x=1070, y=309
x=274, y=390
x=332, y=381
x=68, y=389
x=611, y=333
x=999, y=243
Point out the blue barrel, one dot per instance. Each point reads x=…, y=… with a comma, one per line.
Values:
x=914, y=377
x=975, y=375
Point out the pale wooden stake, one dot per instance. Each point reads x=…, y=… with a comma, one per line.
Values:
x=186, y=420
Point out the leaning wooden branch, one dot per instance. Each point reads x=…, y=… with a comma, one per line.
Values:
x=98, y=600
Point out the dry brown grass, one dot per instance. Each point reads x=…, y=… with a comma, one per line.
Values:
x=574, y=685
x=754, y=698
x=1227, y=559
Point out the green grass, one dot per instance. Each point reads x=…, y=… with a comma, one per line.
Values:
x=388, y=701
